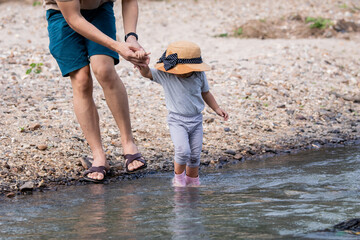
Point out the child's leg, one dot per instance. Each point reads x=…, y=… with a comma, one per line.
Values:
x=192, y=171
x=195, y=140
x=180, y=138
x=178, y=169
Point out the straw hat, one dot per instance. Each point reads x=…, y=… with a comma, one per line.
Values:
x=182, y=57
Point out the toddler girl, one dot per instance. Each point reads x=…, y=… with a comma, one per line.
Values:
x=180, y=71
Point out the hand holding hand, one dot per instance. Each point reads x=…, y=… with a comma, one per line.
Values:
x=222, y=113
x=128, y=52
x=141, y=53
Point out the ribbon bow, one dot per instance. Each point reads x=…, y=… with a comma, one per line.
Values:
x=171, y=60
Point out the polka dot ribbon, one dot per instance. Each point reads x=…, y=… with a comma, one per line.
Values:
x=171, y=60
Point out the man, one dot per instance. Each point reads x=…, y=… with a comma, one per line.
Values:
x=82, y=34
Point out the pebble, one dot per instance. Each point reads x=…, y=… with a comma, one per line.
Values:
x=42, y=147
x=231, y=152
x=10, y=195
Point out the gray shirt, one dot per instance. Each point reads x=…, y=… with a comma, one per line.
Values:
x=182, y=95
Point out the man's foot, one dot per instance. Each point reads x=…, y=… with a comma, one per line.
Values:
x=132, y=162
x=131, y=149
x=95, y=174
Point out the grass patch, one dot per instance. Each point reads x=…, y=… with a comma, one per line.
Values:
x=35, y=67
x=222, y=35
x=37, y=3
x=320, y=23
x=239, y=31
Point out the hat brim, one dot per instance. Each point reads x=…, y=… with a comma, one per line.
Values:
x=184, y=68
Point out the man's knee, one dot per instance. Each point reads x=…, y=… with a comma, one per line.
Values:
x=106, y=75
x=81, y=81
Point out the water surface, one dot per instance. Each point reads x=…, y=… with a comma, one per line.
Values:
x=286, y=197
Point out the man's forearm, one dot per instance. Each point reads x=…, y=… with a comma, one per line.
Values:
x=71, y=13
x=90, y=32
x=130, y=12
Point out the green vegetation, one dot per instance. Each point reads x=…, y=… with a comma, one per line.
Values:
x=320, y=23
x=352, y=8
x=37, y=3
x=34, y=67
x=239, y=31
x=223, y=35
x=344, y=5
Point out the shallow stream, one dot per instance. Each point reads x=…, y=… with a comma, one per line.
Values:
x=286, y=197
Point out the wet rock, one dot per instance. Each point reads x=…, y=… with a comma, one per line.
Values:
x=42, y=184
x=118, y=166
x=86, y=162
x=10, y=195
x=28, y=186
x=231, y=152
x=351, y=226
x=238, y=156
x=223, y=159
x=251, y=152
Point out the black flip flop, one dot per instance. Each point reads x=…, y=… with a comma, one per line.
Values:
x=100, y=169
x=134, y=157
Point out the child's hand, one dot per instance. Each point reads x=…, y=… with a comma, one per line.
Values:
x=143, y=57
x=222, y=113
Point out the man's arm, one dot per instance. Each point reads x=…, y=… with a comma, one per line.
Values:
x=72, y=15
x=130, y=13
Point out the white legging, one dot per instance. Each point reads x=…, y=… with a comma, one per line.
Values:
x=187, y=136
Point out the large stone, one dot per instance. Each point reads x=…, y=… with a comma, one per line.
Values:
x=28, y=186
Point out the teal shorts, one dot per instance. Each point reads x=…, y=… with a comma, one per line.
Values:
x=73, y=51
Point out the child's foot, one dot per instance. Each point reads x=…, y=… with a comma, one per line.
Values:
x=192, y=182
x=179, y=180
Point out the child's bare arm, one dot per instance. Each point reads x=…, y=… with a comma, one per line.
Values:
x=211, y=102
x=145, y=72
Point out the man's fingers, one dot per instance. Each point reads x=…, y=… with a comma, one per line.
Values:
x=134, y=49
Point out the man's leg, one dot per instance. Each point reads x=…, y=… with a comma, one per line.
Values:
x=117, y=100
x=87, y=115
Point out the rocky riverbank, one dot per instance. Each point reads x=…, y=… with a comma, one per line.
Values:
x=281, y=94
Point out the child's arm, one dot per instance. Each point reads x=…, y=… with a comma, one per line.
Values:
x=211, y=102
x=145, y=71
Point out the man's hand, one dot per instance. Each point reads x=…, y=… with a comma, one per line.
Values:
x=141, y=54
x=128, y=52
